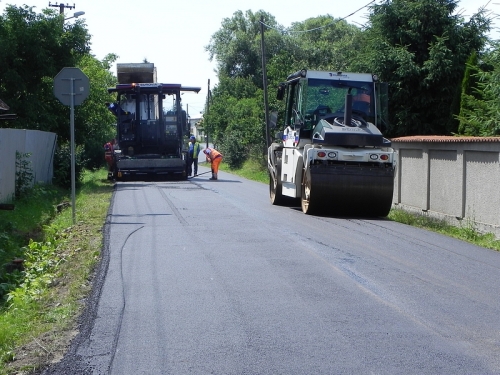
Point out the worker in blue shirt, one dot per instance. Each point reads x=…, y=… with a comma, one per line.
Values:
x=194, y=150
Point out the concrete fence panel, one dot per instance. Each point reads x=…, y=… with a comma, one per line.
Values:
x=10, y=142
x=445, y=182
x=413, y=190
x=41, y=146
x=482, y=193
x=452, y=178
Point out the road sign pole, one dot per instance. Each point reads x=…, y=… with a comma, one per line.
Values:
x=64, y=81
x=72, y=130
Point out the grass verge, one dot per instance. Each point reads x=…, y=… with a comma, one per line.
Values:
x=251, y=170
x=37, y=319
x=466, y=231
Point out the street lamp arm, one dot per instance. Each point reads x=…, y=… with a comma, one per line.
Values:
x=75, y=15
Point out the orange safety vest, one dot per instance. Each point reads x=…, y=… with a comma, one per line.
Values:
x=108, y=147
x=213, y=153
x=108, y=153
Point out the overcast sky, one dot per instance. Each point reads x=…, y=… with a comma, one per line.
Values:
x=173, y=34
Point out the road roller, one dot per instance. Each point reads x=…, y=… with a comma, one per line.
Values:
x=330, y=152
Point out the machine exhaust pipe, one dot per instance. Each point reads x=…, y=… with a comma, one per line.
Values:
x=348, y=109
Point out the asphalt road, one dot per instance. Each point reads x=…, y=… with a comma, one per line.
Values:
x=207, y=277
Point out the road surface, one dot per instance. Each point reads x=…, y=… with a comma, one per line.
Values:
x=207, y=277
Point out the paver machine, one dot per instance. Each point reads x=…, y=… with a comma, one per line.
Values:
x=150, y=139
x=330, y=153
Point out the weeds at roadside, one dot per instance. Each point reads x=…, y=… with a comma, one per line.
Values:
x=36, y=321
x=251, y=170
x=24, y=174
x=466, y=231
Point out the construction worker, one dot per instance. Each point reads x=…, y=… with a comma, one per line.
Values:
x=361, y=103
x=214, y=157
x=109, y=149
x=194, y=151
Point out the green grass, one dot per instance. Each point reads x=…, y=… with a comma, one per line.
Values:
x=38, y=316
x=466, y=231
x=251, y=170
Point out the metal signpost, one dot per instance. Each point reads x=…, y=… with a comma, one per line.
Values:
x=71, y=87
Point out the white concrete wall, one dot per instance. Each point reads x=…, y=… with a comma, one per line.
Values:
x=457, y=179
x=41, y=146
x=193, y=126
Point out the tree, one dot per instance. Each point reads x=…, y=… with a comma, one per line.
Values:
x=235, y=101
x=96, y=124
x=420, y=48
x=236, y=116
x=236, y=46
x=480, y=109
x=326, y=43
x=33, y=49
x=244, y=135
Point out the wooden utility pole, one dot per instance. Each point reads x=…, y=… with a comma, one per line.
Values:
x=61, y=7
x=205, y=122
x=264, y=81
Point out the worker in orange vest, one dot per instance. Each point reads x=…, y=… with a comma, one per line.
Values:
x=109, y=149
x=214, y=157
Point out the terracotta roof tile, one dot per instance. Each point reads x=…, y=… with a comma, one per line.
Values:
x=444, y=139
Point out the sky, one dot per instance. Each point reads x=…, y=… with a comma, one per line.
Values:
x=173, y=34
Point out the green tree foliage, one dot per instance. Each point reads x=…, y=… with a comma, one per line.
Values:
x=326, y=43
x=480, y=108
x=33, y=49
x=246, y=130
x=96, y=124
x=420, y=47
x=236, y=45
x=236, y=118
x=62, y=165
x=468, y=83
x=24, y=174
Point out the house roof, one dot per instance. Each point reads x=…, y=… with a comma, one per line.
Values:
x=3, y=106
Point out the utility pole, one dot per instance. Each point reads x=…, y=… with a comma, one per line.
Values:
x=264, y=81
x=205, y=122
x=61, y=7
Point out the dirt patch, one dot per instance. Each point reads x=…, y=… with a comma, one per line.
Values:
x=41, y=352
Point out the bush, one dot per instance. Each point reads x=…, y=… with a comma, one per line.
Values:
x=24, y=174
x=62, y=166
x=234, y=151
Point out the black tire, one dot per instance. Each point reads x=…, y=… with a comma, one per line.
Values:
x=275, y=189
x=308, y=205
x=382, y=209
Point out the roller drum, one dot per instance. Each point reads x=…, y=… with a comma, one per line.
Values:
x=348, y=190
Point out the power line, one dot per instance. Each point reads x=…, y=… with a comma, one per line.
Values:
x=321, y=27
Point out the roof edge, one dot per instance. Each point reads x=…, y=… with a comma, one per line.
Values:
x=445, y=139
